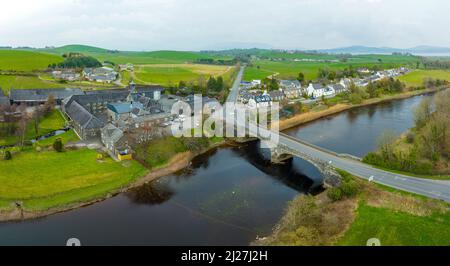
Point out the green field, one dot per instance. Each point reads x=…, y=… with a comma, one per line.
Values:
x=166, y=74
x=417, y=77
x=42, y=180
x=289, y=69
x=26, y=61
x=123, y=57
x=395, y=228
x=25, y=82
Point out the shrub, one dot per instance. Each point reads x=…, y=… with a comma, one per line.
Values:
x=8, y=155
x=349, y=189
x=410, y=137
x=355, y=98
x=335, y=194
x=58, y=145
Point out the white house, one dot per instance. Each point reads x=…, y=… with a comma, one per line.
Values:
x=256, y=82
x=315, y=90
x=346, y=83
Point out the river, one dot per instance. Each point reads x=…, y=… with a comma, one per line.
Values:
x=228, y=196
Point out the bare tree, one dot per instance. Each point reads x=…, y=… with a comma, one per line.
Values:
x=422, y=113
x=386, y=143
x=22, y=129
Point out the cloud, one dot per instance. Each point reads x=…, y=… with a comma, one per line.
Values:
x=202, y=24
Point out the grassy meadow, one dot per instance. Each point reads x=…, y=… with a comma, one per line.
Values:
x=42, y=180
x=26, y=82
x=417, y=77
x=365, y=211
x=26, y=61
x=396, y=228
x=123, y=57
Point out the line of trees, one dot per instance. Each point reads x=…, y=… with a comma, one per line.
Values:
x=76, y=60
x=428, y=142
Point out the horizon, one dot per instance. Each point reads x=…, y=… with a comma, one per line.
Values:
x=181, y=25
x=324, y=50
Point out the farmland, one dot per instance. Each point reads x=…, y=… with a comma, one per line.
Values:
x=417, y=77
x=166, y=74
x=290, y=67
x=25, y=82
x=17, y=60
x=123, y=57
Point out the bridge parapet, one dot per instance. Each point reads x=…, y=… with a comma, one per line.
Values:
x=283, y=152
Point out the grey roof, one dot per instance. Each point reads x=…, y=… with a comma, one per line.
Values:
x=262, y=98
x=42, y=95
x=84, y=100
x=274, y=94
x=338, y=87
x=4, y=100
x=317, y=86
x=290, y=83
x=113, y=133
x=80, y=115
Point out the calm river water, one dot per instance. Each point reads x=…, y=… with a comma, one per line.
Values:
x=227, y=197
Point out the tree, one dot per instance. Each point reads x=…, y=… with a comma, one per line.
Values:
x=8, y=155
x=301, y=77
x=49, y=104
x=182, y=84
x=331, y=75
x=372, y=90
x=219, y=84
x=386, y=144
x=422, y=113
x=58, y=145
x=22, y=129
x=211, y=84
x=36, y=117
x=273, y=85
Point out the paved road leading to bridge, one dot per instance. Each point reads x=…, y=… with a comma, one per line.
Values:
x=234, y=91
x=438, y=189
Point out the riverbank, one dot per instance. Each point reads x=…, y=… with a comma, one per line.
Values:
x=175, y=164
x=341, y=107
x=393, y=217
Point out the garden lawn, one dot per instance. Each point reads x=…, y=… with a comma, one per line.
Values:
x=417, y=77
x=49, y=123
x=69, y=136
x=50, y=179
x=397, y=228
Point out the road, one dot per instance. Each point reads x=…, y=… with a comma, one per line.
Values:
x=437, y=189
x=234, y=91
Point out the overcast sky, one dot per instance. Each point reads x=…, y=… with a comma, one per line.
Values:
x=217, y=24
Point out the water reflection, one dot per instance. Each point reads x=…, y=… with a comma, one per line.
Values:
x=153, y=193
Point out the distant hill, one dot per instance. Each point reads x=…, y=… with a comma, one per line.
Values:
x=388, y=50
x=75, y=48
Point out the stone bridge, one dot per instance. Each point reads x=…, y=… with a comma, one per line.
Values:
x=283, y=152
